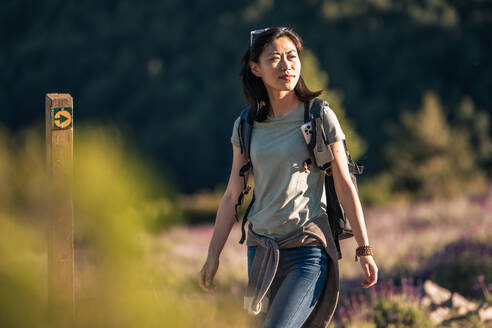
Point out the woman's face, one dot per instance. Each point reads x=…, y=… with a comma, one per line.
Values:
x=279, y=65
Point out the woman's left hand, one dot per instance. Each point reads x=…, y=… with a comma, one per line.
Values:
x=370, y=270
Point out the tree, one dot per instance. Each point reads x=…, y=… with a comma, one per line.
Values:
x=429, y=159
x=477, y=122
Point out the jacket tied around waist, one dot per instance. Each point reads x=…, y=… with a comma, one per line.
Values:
x=316, y=232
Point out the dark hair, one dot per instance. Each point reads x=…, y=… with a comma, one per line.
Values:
x=253, y=88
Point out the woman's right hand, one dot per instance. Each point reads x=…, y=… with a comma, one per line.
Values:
x=207, y=273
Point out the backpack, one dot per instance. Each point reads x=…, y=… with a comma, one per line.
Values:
x=339, y=224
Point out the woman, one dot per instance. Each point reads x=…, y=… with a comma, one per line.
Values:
x=287, y=198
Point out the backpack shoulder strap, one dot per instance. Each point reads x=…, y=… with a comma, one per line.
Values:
x=318, y=145
x=244, y=132
x=315, y=110
x=317, y=105
x=319, y=136
x=312, y=109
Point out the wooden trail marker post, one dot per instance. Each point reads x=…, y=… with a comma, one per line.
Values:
x=59, y=155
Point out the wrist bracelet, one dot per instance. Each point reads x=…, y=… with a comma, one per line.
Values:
x=363, y=250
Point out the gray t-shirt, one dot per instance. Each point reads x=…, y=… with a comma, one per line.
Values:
x=286, y=197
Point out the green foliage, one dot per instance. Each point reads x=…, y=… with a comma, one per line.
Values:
x=119, y=283
x=256, y=10
x=428, y=158
x=202, y=206
x=170, y=74
x=376, y=190
x=394, y=313
x=22, y=275
x=117, y=169
x=476, y=123
x=428, y=12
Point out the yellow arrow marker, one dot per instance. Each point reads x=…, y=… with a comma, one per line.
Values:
x=62, y=119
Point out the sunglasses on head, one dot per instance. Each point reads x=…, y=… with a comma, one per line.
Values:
x=255, y=33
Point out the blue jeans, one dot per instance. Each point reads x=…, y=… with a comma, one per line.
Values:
x=296, y=288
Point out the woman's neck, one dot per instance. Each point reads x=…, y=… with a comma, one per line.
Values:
x=282, y=103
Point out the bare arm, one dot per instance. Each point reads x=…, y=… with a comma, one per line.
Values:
x=349, y=199
x=347, y=194
x=225, y=213
x=223, y=221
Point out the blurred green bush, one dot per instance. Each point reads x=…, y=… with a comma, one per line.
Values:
x=118, y=200
x=393, y=313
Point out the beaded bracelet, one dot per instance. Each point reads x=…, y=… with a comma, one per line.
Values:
x=363, y=250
